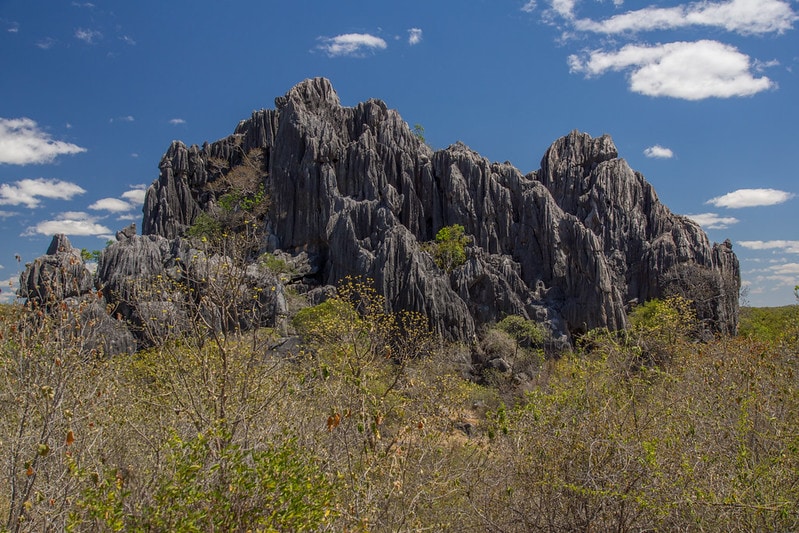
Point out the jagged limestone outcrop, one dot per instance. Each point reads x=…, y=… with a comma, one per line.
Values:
x=354, y=193
x=59, y=281
x=55, y=276
x=353, y=189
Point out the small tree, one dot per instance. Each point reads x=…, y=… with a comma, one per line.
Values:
x=449, y=250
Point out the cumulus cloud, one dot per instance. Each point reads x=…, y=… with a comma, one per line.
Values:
x=28, y=191
x=23, y=143
x=176, y=121
x=786, y=268
x=114, y=205
x=70, y=223
x=778, y=276
x=658, y=152
x=529, y=7
x=414, y=36
x=564, y=8
x=790, y=247
x=130, y=199
x=351, y=44
x=751, y=198
x=687, y=70
x=739, y=16
x=135, y=195
x=713, y=220
x=88, y=36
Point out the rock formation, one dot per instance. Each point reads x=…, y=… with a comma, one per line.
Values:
x=353, y=192
x=352, y=188
x=61, y=281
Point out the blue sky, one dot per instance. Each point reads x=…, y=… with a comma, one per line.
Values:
x=702, y=98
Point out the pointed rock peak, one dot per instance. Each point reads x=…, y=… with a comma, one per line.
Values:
x=580, y=149
x=60, y=243
x=313, y=93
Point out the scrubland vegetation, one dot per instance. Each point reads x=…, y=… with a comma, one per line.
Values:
x=371, y=426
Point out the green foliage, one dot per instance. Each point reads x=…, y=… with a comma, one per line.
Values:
x=275, y=264
x=93, y=255
x=666, y=320
x=769, y=324
x=273, y=488
x=525, y=332
x=449, y=249
x=276, y=488
x=206, y=226
x=241, y=201
x=418, y=132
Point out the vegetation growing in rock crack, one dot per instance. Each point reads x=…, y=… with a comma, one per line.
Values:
x=449, y=248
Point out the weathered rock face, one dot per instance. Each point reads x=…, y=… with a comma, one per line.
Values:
x=570, y=244
x=57, y=275
x=61, y=278
x=158, y=285
x=645, y=245
x=355, y=190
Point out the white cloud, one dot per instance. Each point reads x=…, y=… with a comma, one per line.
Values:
x=712, y=220
x=790, y=247
x=529, y=7
x=564, y=8
x=23, y=143
x=176, y=121
x=351, y=44
x=751, y=198
x=114, y=205
x=786, y=269
x=69, y=223
x=658, y=152
x=778, y=276
x=135, y=195
x=687, y=70
x=46, y=43
x=414, y=36
x=88, y=36
x=126, y=118
x=8, y=289
x=6, y=214
x=128, y=40
x=739, y=16
x=28, y=191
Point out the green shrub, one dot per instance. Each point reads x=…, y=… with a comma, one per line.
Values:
x=526, y=332
x=449, y=249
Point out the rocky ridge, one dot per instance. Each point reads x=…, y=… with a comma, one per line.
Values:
x=354, y=193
